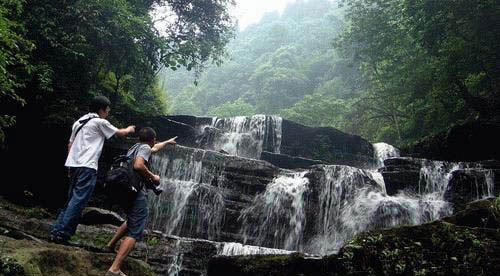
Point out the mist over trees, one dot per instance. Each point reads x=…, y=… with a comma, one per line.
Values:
x=388, y=70
x=271, y=65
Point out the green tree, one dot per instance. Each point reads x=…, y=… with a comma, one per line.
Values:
x=14, y=66
x=232, y=109
x=426, y=63
x=111, y=47
x=323, y=108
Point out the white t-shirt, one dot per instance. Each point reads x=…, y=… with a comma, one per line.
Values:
x=87, y=145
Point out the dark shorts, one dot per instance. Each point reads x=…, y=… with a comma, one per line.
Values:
x=137, y=216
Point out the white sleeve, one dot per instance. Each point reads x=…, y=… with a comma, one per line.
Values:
x=107, y=128
x=72, y=136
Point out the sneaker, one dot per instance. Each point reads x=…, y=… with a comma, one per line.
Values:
x=58, y=240
x=119, y=273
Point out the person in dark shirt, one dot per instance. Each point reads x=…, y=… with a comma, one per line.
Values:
x=137, y=214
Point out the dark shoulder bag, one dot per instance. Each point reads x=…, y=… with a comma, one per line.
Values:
x=122, y=183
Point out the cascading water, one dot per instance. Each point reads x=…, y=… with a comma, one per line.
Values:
x=175, y=266
x=245, y=136
x=350, y=204
x=277, y=217
x=238, y=249
x=382, y=152
x=435, y=176
x=189, y=204
x=348, y=201
x=490, y=182
x=339, y=188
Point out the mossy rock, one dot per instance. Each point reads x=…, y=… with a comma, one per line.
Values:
x=28, y=258
x=279, y=265
x=437, y=248
x=481, y=213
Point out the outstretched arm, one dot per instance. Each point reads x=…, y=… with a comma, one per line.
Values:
x=124, y=132
x=159, y=146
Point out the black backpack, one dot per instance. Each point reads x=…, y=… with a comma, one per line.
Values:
x=122, y=183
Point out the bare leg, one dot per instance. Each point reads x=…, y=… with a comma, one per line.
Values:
x=120, y=233
x=125, y=248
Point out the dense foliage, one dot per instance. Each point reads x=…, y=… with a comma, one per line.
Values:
x=428, y=63
x=391, y=70
x=14, y=51
x=55, y=55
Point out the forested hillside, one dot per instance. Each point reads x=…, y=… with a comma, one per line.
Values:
x=388, y=70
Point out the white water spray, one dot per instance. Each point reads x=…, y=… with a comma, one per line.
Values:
x=382, y=152
x=246, y=136
x=238, y=249
x=189, y=204
x=276, y=217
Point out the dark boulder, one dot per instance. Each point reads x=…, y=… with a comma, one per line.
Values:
x=401, y=174
x=470, y=141
x=324, y=143
x=95, y=216
x=467, y=185
x=437, y=248
x=483, y=213
x=193, y=121
x=321, y=143
x=279, y=265
x=288, y=162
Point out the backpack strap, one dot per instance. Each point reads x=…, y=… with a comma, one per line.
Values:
x=83, y=122
x=133, y=154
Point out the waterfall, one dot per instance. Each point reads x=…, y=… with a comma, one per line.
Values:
x=351, y=203
x=338, y=190
x=175, y=265
x=238, y=249
x=276, y=217
x=383, y=151
x=490, y=182
x=245, y=136
x=435, y=176
x=190, y=203
x=345, y=200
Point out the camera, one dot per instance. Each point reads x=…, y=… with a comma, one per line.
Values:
x=156, y=188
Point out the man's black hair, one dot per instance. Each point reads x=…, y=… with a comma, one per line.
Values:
x=147, y=134
x=98, y=103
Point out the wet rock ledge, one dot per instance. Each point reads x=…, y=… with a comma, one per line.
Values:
x=465, y=244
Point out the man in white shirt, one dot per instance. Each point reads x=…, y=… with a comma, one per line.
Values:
x=84, y=149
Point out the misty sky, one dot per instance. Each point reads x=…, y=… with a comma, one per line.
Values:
x=250, y=11
x=246, y=11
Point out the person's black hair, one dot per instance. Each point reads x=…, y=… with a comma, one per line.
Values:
x=147, y=134
x=98, y=103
